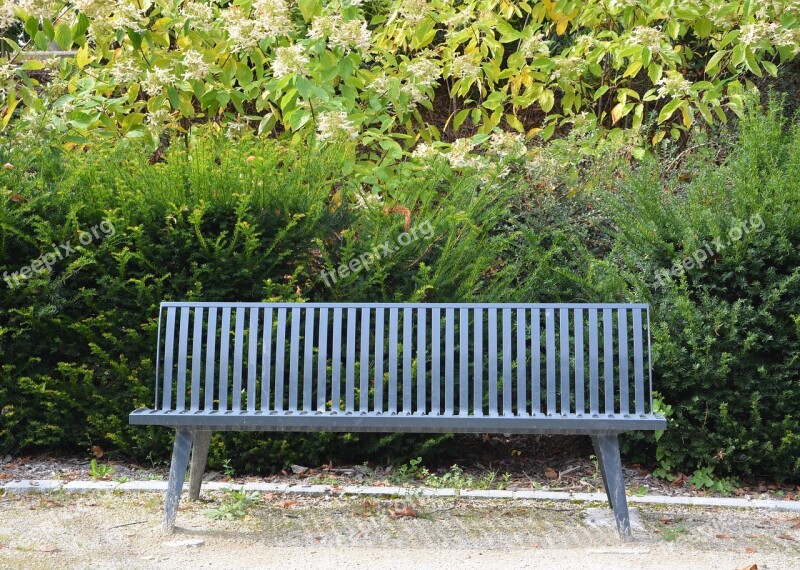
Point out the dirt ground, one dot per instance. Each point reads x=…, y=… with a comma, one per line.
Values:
x=122, y=530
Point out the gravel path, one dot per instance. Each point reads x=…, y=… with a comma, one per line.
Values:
x=113, y=530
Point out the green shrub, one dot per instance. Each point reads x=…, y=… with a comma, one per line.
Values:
x=725, y=338
x=219, y=219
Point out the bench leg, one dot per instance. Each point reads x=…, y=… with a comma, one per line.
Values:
x=177, y=472
x=202, y=440
x=607, y=450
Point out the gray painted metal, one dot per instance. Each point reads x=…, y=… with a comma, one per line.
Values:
x=194, y=364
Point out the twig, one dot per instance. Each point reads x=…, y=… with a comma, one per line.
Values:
x=127, y=524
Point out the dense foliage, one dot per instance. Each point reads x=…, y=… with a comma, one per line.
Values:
x=391, y=73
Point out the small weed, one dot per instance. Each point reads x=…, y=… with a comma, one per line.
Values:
x=323, y=480
x=639, y=491
x=100, y=472
x=408, y=472
x=227, y=469
x=671, y=533
x=121, y=479
x=703, y=479
x=235, y=505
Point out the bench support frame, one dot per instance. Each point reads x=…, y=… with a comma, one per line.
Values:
x=195, y=444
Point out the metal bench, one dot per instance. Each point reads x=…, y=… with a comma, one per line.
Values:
x=394, y=367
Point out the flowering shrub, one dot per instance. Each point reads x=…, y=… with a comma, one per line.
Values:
x=374, y=69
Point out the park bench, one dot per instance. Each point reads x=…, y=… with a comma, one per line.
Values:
x=401, y=367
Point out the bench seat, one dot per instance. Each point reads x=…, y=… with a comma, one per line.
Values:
x=285, y=421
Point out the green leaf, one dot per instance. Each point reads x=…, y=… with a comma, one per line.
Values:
x=459, y=119
x=47, y=28
x=771, y=68
x=63, y=36
x=668, y=110
x=600, y=92
x=515, y=123
x=547, y=100
x=32, y=64
x=309, y=8
x=41, y=41
x=654, y=72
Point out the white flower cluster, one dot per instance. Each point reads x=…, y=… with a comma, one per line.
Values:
x=36, y=8
x=289, y=60
x=464, y=66
x=534, y=46
x=673, y=84
x=772, y=32
x=646, y=37
x=458, y=19
x=271, y=18
x=347, y=35
x=125, y=70
x=156, y=79
x=568, y=68
x=424, y=72
x=615, y=6
x=334, y=126
x=424, y=151
x=7, y=17
x=413, y=11
x=507, y=145
x=460, y=154
x=200, y=15
x=196, y=68
x=106, y=16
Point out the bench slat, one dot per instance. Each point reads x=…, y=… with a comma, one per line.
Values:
x=252, y=351
x=407, y=359
x=238, y=350
x=266, y=360
x=580, y=384
x=622, y=351
x=463, y=362
x=336, y=363
x=211, y=357
x=492, y=317
x=224, y=350
x=322, y=361
x=363, y=381
x=197, y=357
x=448, y=361
x=508, y=384
x=169, y=350
x=522, y=335
x=308, y=360
x=183, y=341
x=280, y=356
x=436, y=361
x=551, y=360
x=478, y=362
x=594, y=365
x=536, y=362
x=379, y=324
x=638, y=361
x=392, y=408
x=608, y=360
x=422, y=355
x=563, y=331
x=294, y=358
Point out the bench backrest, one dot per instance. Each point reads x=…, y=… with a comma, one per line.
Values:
x=472, y=359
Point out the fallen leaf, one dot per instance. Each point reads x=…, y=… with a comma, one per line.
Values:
x=667, y=521
x=749, y=567
x=97, y=451
x=269, y=496
x=550, y=473
x=287, y=504
x=16, y=197
x=725, y=535
x=49, y=548
x=787, y=537
x=404, y=512
x=750, y=549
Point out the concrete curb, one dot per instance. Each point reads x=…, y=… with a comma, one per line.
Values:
x=21, y=487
